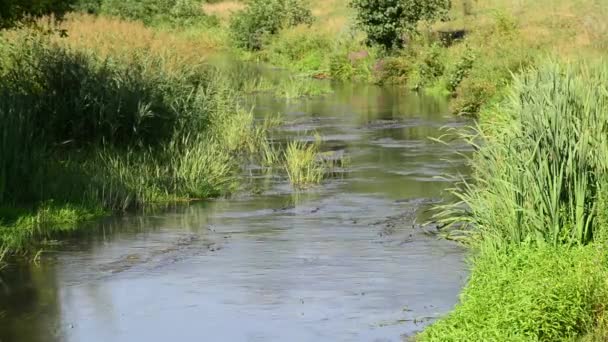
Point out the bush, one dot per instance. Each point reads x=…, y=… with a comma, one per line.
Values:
x=528, y=294
x=428, y=66
x=262, y=18
x=12, y=10
x=461, y=69
x=386, y=21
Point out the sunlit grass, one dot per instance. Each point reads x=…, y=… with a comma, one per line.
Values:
x=539, y=179
x=303, y=165
x=113, y=130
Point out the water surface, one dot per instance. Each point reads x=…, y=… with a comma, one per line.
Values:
x=346, y=261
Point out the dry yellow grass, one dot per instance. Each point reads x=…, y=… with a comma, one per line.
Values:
x=332, y=15
x=566, y=28
x=111, y=36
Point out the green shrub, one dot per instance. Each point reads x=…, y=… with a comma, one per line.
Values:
x=395, y=69
x=461, y=69
x=178, y=12
x=349, y=60
x=261, y=18
x=428, y=67
x=528, y=294
x=300, y=50
x=386, y=21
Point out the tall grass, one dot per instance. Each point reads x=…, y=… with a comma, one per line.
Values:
x=538, y=176
x=302, y=163
x=536, y=211
x=111, y=133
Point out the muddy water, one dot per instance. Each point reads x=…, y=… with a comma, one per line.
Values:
x=347, y=261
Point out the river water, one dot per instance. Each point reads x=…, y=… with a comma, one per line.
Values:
x=345, y=261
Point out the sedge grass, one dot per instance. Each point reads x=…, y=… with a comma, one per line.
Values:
x=539, y=178
x=302, y=163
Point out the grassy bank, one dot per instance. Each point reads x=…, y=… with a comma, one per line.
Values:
x=101, y=115
x=499, y=38
x=535, y=213
x=89, y=127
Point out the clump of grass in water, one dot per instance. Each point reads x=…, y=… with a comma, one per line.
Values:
x=302, y=163
x=295, y=87
x=536, y=211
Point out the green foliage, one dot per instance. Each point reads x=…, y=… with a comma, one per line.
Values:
x=461, y=69
x=301, y=51
x=13, y=10
x=528, y=294
x=179, y=12
x=393, y=70
x=351, y=61
x=429, y=65
x=537, y=178
x=262, y=18
x=303, y=165
x=386, y=21
x=85, y=132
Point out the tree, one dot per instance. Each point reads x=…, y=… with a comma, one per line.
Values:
x=14, y=10
x=386, y=21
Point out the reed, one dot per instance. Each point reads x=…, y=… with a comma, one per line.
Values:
x=111, y=132
x=540, y=172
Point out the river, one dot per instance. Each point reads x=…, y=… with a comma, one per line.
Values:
x=344, y=261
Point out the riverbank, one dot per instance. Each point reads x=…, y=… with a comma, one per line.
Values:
x=470, y=57
x=538, y=197
x=110, y=115
x=90, y=130
x=535, y=213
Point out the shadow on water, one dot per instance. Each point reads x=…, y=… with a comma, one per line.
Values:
x=346, y=261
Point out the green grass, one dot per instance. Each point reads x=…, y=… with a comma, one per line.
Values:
x=24, y=229
x=303, y=165
x=529, y=294
x=111, y=133
x=535, y=209
x=540, y=173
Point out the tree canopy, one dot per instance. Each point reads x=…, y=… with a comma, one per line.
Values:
x=14, y=10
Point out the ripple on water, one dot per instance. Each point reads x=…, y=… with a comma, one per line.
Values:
x=346, y=261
